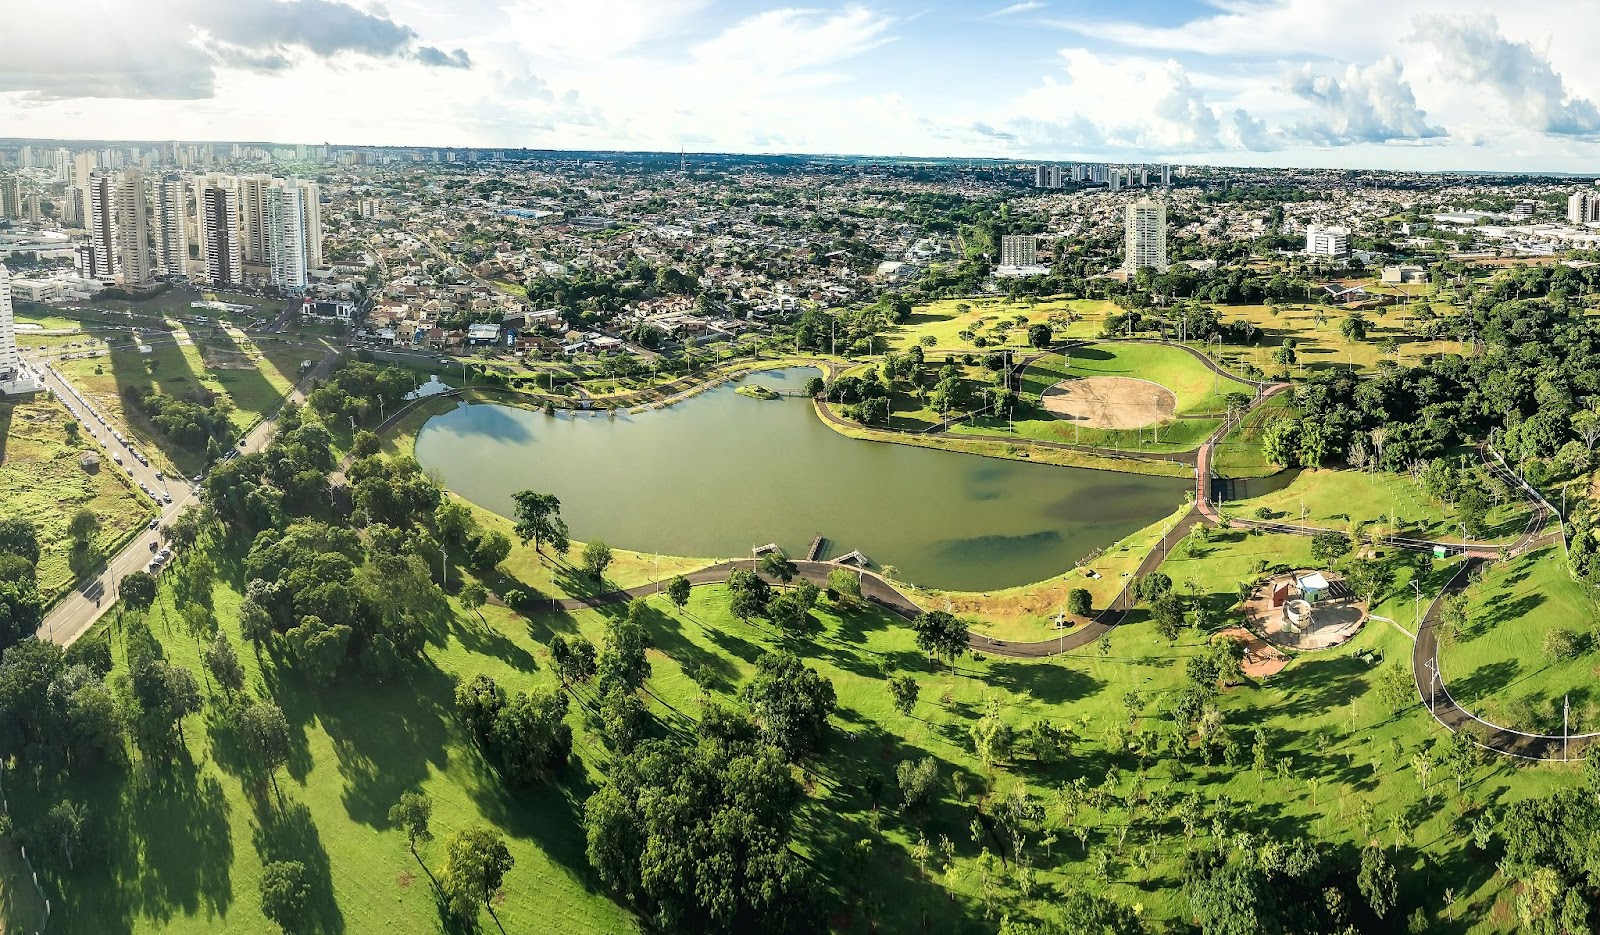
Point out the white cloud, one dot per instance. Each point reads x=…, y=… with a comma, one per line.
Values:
x=1522, y=79
x=1026, y=6
x=1116, y=103
x=1374, y=104
x=593, y=30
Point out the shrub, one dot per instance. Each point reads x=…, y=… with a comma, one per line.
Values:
x=1562, y=643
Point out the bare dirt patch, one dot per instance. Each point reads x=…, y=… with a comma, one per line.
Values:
x=1110, y=402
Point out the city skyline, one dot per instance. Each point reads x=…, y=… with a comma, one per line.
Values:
x=1441, y=88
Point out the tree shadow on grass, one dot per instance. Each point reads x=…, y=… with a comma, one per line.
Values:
x=666, y=634
x=389, y=738
x=1048, y=683
x=181, y=816
x=285, y=831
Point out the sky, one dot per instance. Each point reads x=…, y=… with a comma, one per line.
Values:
x=1395, y=84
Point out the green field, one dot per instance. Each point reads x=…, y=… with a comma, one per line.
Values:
x=184, y=844
x=944, y=322
x=1333, y=498
x=44, y=484
x=1239, y=453
x=1321, y=346
x=208, y=362
x=1497, y=667
x=1199, y=391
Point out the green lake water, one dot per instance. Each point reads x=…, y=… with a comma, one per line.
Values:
x=720, y=474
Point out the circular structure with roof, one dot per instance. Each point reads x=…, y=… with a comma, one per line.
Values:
x=1305, y=610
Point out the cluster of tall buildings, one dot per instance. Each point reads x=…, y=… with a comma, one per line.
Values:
x=243, y=227
x=1584, y=208
x=14, y=376
x=1114, y=177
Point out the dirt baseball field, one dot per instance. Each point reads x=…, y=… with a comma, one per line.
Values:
x=1110, y=402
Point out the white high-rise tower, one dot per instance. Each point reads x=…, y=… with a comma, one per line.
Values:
x=100, y=220
x=14, y=377
x=286, y=242
x=1146, y=236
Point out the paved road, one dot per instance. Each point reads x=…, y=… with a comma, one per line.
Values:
x=1447, y=711
x=79, y=609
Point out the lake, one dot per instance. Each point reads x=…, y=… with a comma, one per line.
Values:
x=721, y=474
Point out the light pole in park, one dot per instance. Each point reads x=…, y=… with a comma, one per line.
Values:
x=1416, y=607
x=1433, y=679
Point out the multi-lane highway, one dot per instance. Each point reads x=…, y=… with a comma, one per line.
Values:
x=75, y=613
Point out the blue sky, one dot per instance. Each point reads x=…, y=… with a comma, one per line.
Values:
x=1357, y=83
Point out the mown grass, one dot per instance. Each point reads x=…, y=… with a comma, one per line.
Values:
x=184, y=844
x=1240, y=452
x=1333, y=498
x=1498, y=669
x=944, y=322
x=44, y=483
x=1322, y=346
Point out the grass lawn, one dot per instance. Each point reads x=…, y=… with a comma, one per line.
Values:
x=211, y=361
x=43, y=483
x=1198, y=390
x=1321, y=347
x=183, y=845
x=944, y=321
x=1333, y=498
x=1239, y=453
x=1028, y=612
x=1497, y=668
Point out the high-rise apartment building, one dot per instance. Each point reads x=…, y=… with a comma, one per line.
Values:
x=1327, y=241
x=219, y=233
x=133, y=229
x=100, y=220
x=1583, y=208
x=1041, y=176
x=1145, y=237
x=1019, y=250
x=1166, y=176
x=172, y=226
x=286, y=229
x=254, y=234
x=10, y=197
x=14, y=377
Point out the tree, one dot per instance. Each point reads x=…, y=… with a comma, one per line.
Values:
x=19, y=537
x=1167, y=610
x=596, y=558
x=1079, y=603
x=475, y=866
x=529, y=735
x=992, y=737
x=1376, y=881
x=776, y=565
x=1329, y=546
x=138, y=590
x=411, y=814
x=903, y=690
x=1354, y=328
x=1369, y=578
x=64, y=830
x=678, y=591
x=264, y=732
x=490, y=550
x=285, y=890
x=255, y=624
x=223, y=664
x=1039, y=336
x=539, y=521
x=919, y=782
x=574, y=658
x=478, y=704
x=83, y=525
x=940, y=634
x=790, y=702
x=622, y=660
x=789, y=613
x=365, y=444
x=473, y=596
x=750, y=594
x=845, y=584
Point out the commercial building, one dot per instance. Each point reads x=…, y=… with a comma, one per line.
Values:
x=219, y=233
x=1327, y=241
x=133, y=230
x=1145, y=237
